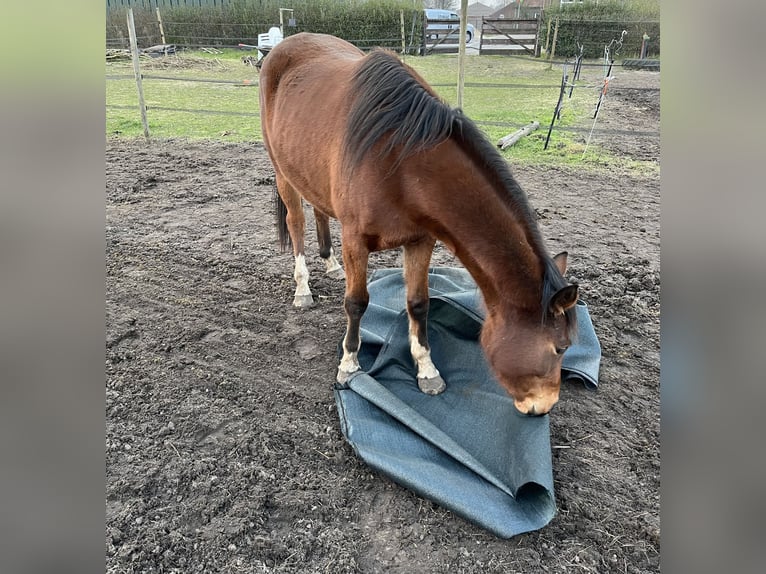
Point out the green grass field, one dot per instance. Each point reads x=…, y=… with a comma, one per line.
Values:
x=216, y=97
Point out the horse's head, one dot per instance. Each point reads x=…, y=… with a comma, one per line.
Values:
x=526, y=353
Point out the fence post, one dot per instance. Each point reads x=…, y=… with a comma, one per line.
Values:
x=509, y=140
x=461, y=52
x=557, y=110
x=537, y=35
x=553, y=47
x=548, y=37
x=401, y=25
x=162, y=30
x=576, y=72
x=137, y=72
x=603, y=89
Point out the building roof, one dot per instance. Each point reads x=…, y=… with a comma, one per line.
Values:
x=509, y=10
x=479, y=9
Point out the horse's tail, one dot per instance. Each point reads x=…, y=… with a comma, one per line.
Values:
x=280, y=211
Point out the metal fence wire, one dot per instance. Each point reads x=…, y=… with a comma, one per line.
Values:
x=152, y=4
x=231, y=34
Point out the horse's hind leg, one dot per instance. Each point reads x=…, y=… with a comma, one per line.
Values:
x=417, y=257
x=355, y=257
x=325, y=245
x=295, y=222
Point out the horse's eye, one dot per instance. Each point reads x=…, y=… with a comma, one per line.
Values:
x=561, y=350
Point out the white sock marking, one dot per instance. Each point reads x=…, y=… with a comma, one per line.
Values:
x=422, y=356
x=301, y=277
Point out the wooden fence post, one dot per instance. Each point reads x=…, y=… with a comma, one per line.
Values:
x=162, y=30
x=461, y=52
x=537, y=35
x=548, y=37
x=553, y=47
x=509, y=140
x=401, y=25
x=137, y=72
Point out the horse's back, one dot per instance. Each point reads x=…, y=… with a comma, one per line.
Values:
x=305, y=68
x=304, y=94
x=306, y=46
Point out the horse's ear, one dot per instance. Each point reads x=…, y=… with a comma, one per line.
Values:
x=561, y=262
x=565, y=298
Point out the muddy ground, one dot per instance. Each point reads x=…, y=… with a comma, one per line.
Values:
x=223, y=449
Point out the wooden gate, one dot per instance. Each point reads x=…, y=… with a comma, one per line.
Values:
x=442, y=35
x=509, y=36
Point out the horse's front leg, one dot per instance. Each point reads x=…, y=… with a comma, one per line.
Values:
x=355, y=303
x=417, y=257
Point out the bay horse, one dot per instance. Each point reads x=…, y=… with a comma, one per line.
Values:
x=365, y=140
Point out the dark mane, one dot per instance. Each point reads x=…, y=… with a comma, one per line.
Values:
x=484, y=153
x=390, y=100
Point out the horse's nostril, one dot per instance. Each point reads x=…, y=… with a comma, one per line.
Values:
x=536, y=410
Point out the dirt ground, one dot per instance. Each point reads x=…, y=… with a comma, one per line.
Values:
x=223, y=449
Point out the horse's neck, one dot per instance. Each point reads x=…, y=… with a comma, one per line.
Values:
x=490, y=238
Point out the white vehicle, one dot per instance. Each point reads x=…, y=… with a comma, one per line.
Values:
x=434, y=14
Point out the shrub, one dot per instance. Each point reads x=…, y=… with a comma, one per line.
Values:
x=595, y=25
x=364, y=23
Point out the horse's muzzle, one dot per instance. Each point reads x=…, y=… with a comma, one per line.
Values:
x=535, y=406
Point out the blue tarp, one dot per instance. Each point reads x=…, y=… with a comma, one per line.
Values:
x=468, y=448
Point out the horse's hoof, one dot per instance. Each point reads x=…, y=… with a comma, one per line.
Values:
x=303, y=301
x=432, y=386
x=343, y=376
x=337, y=273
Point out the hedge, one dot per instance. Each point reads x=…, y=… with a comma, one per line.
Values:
x=367, y=24
x=595, y=25
x=594, y=35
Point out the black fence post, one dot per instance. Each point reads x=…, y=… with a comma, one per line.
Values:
x=576, y=71
x=603, y=90
x=557, y=111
